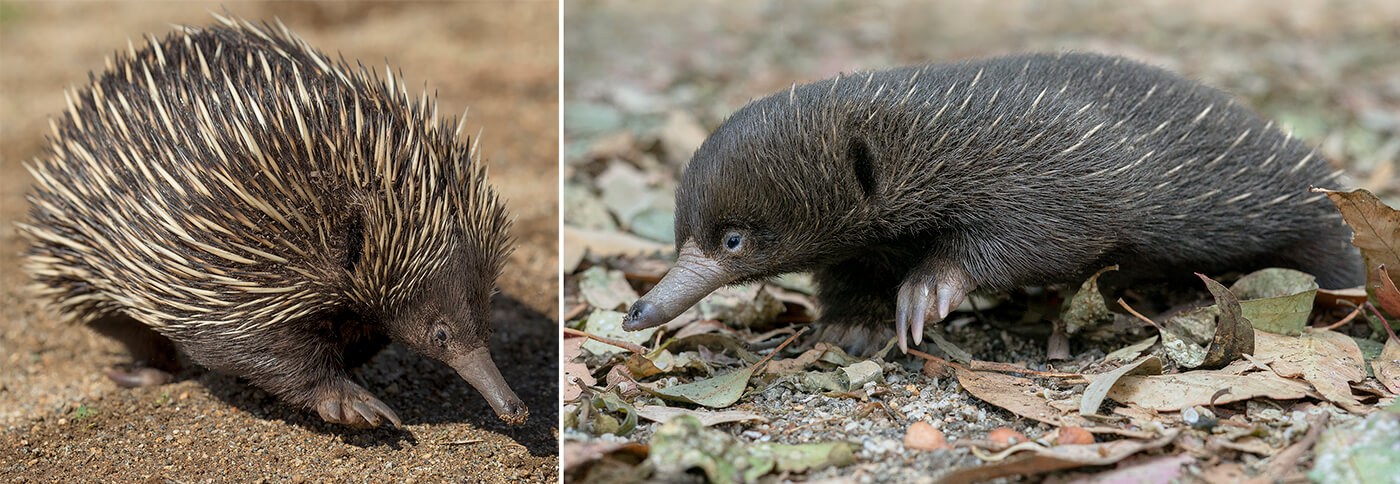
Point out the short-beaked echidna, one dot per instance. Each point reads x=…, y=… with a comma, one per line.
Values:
x=903, y=190
x=275, y=214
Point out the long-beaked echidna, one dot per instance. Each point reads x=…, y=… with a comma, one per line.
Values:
x=274, y=214
x=903, y=190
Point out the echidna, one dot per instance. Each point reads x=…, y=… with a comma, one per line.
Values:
x=277, y=215
x=903, y=190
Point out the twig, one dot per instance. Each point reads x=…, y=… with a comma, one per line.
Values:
x=633, y=347
x=1009, y=368
x=1001, y=367
x=780, y=348
x=1345, y=320
x=1130, y=309
x=923, y=355
x=1384, y=323
x=575, y=312
x=462, y=442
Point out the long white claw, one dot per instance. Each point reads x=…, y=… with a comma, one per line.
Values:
x=949, y=297
x=920, y=313
x=899, y=326
x=901, y=318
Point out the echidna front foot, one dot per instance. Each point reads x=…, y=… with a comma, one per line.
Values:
x=139, y=377
x=154, y=359
x=929, y=292
x=350, y=404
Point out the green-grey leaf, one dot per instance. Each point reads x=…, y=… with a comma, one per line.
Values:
x=1276, y=300
x=715, y=392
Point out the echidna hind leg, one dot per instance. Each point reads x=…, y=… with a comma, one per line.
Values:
x=345, y=402
x=154, y=359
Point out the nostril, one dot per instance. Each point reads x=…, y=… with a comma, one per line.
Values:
x=637, y=315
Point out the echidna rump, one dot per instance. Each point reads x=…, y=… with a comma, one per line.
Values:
x=275, y=214
x=903, y=190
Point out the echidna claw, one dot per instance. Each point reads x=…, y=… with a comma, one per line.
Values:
x=139, y=377
x=354, y=406
x=945, y=288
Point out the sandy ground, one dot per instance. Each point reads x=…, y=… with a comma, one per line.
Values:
x=60, y=419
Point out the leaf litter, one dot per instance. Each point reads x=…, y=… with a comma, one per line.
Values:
x=715, y=413
x=1197, y=398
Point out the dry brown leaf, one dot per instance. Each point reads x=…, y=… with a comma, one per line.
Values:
x=576, y=454
x=1387, y=293
x=1102, y=383
x=1252, y=445
x=1328, y=360
x=1177, y=391
x=1387, y=366
x=1225, y=472
x=1056, y=458
x=798, y=363
x=937, y=368
x=1234, y=335
x=1331, y=298
x=924, y=436
x=660, y=413
x=604, y=243
x=705, y=327
x=575, y=373
x=1375, y=227
x=1017, y=395
x=680, y=137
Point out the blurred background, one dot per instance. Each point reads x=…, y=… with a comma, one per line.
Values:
x=645, y=81
x=499, y=58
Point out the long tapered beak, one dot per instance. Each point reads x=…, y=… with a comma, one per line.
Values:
x=477, y=369
x=694, y=277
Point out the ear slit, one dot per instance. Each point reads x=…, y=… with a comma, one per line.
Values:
x=863, y=164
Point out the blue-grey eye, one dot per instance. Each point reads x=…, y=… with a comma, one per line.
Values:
x=441, y=336
x=733, y=241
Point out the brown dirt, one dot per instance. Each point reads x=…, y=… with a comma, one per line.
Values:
x=60, y=419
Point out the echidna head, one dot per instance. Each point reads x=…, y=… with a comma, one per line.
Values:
x=447, y=318
x=433, y=245
x=777, y=188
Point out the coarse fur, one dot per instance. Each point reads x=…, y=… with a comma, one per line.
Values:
x=1020, y=170
x=278, y=215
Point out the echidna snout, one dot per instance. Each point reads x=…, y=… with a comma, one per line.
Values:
x=694, y=277
x=477, y=369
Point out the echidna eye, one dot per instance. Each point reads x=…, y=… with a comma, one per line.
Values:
x=441, y=336
x=732, y=241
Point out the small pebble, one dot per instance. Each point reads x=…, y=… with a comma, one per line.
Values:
x=1005, y=436
x=923, y=436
